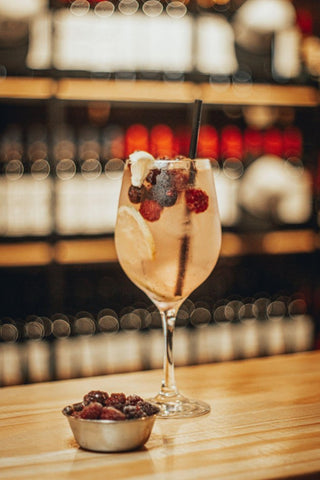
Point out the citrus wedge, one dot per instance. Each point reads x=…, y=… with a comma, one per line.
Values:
x=134, y=240
x=141, y=162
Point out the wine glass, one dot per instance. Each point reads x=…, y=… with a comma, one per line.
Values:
x=168, y=238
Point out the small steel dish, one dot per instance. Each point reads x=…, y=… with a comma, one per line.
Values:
x=110, y=435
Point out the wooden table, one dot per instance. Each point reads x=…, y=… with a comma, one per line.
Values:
x=264, y=424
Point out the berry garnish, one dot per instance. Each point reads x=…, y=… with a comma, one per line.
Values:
x=197, y=200
x=165, y=197
x=148, y=408
x=91, y=411
x=140, y=409
x=133, y=399
x=136, y=194
x=95, y=396
x=141, y=163
x=116, y=400
x=150, y=210
x=111, y=413
x=117, y=406
x=163, y=190
x=133, y=411
x=152, y=176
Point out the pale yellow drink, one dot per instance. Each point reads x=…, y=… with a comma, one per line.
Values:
x=151, y=252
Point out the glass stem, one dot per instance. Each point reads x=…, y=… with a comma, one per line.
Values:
x=168, y=387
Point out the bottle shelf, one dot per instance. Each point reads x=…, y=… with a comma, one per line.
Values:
x=86, y=251
x=27, y=88
x=273, y=243
x=26, y=254
x=260, y=94
x=144, y=91
x=137, y=91
x=102, y=250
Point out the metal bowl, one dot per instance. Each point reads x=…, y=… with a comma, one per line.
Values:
x=110, y=435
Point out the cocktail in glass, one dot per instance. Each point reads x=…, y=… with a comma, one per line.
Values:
x=168, y=238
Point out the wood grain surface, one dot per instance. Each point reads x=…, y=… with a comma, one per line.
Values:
x=264, y=424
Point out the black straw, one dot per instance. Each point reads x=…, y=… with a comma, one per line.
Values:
x=185, y=241
x=196, y=120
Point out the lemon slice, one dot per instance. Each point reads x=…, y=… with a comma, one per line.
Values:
x=141, y=162
x=134, y=240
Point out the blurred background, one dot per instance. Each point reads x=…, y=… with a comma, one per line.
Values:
x=85, y=83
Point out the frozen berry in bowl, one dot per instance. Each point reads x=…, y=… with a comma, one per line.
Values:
x=133, y=411
x=112, y=422
x=95, y=396
x=116, y=400
x=111, y=413
x=91, y=411
x=133, y=399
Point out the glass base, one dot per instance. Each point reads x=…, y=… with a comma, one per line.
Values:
x=178, y=406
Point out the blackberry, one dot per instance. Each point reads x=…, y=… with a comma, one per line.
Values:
x=163, y=191
x=133, y=399
x=168, y=198
x=136, y=194
x=77, y=407
x=148, y=408
x=133, y=411
x=152, y=176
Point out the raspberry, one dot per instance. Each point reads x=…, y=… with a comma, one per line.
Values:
x=136, y=194
x=91, y=411
x=133, y=399
x=95, y=396
x=150, y=210
x=118, y=397
x=116, y=400
x=111, y=413
x=197, y=200
x=76, y=414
